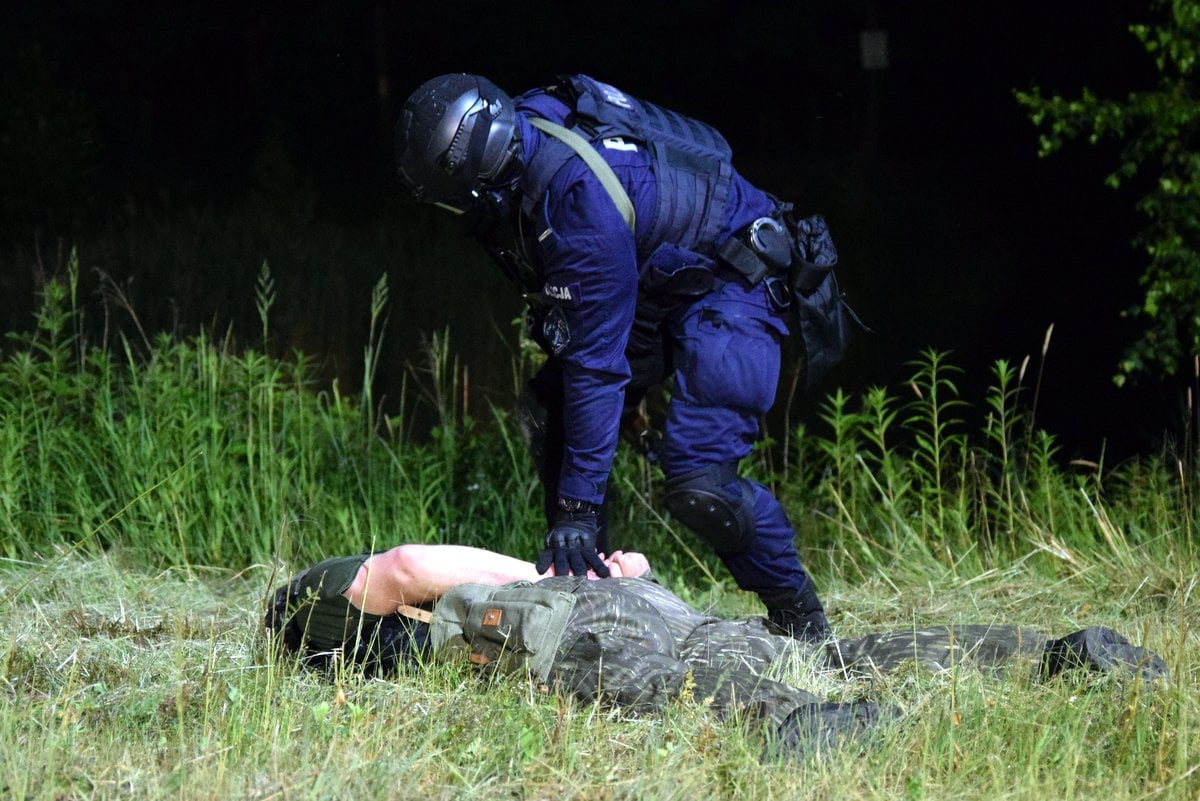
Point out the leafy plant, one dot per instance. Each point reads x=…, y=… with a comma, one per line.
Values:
x=1157, y=131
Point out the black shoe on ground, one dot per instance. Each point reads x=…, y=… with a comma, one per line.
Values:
x=811, y=627
x=1100, y=649
x=799, y=615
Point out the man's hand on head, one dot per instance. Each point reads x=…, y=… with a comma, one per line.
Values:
x=628, y=565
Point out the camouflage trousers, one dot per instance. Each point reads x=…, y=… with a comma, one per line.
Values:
x=635, y=644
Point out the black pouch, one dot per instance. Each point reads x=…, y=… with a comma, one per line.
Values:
x=670, y=279
x=821, y=310
x=672, y=274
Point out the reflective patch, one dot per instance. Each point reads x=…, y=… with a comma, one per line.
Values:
x=617, y=143
x=614, y=95
x=555, y=331
x=561, y=294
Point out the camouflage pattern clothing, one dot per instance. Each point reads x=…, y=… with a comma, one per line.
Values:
x=633, y=643
x=636, y=644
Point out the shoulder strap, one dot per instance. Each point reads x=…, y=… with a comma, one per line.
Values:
x=608, y=179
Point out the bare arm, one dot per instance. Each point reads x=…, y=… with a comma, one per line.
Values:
x=417, y=574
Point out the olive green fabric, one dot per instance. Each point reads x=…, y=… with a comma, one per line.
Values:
x=514, y=627
x=322, y=612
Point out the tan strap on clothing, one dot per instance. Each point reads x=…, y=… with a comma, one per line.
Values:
x=414, y=613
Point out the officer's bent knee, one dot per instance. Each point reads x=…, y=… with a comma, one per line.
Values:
x=715, y=504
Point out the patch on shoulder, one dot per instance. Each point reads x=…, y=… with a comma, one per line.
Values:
x=619, y=143
x=556, y=331
x=561, y=294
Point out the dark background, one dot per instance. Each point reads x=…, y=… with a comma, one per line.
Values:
x=953, y=233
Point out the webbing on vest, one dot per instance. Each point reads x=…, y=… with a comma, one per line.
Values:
x=597, y=164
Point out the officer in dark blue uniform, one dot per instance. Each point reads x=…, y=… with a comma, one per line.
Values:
x=647, y=254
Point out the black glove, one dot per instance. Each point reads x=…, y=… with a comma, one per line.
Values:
x=571, y=541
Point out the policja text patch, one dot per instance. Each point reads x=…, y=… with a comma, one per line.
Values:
x=561, y=294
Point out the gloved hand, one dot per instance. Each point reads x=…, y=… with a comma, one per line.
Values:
x=571, y=541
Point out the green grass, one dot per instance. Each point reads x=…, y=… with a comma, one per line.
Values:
x=151, y=493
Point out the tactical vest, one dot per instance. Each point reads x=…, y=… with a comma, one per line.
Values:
x=692, y=163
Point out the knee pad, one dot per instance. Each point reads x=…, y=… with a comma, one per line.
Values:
x=718, y=513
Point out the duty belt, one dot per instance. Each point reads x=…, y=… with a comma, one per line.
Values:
x=763, y=250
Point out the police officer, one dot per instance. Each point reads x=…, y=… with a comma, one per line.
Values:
x=646, y=254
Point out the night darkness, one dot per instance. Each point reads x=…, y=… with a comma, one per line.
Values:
x=953, y=233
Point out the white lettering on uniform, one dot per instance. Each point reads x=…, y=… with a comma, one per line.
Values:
x=613, y=95
x=557, y=292
x=617, y=143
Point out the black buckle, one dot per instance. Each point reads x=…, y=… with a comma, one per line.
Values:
x=778, y=292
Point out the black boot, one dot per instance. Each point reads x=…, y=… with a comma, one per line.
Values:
x=799, y=615
x=1101, y=650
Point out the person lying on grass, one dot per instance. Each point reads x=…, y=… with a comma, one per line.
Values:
x=626, y=639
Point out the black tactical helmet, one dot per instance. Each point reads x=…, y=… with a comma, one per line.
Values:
x=457, y=139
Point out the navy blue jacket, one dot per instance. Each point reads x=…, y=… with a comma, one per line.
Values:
x=591, y=266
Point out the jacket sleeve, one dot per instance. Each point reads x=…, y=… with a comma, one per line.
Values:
x=590, y=262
